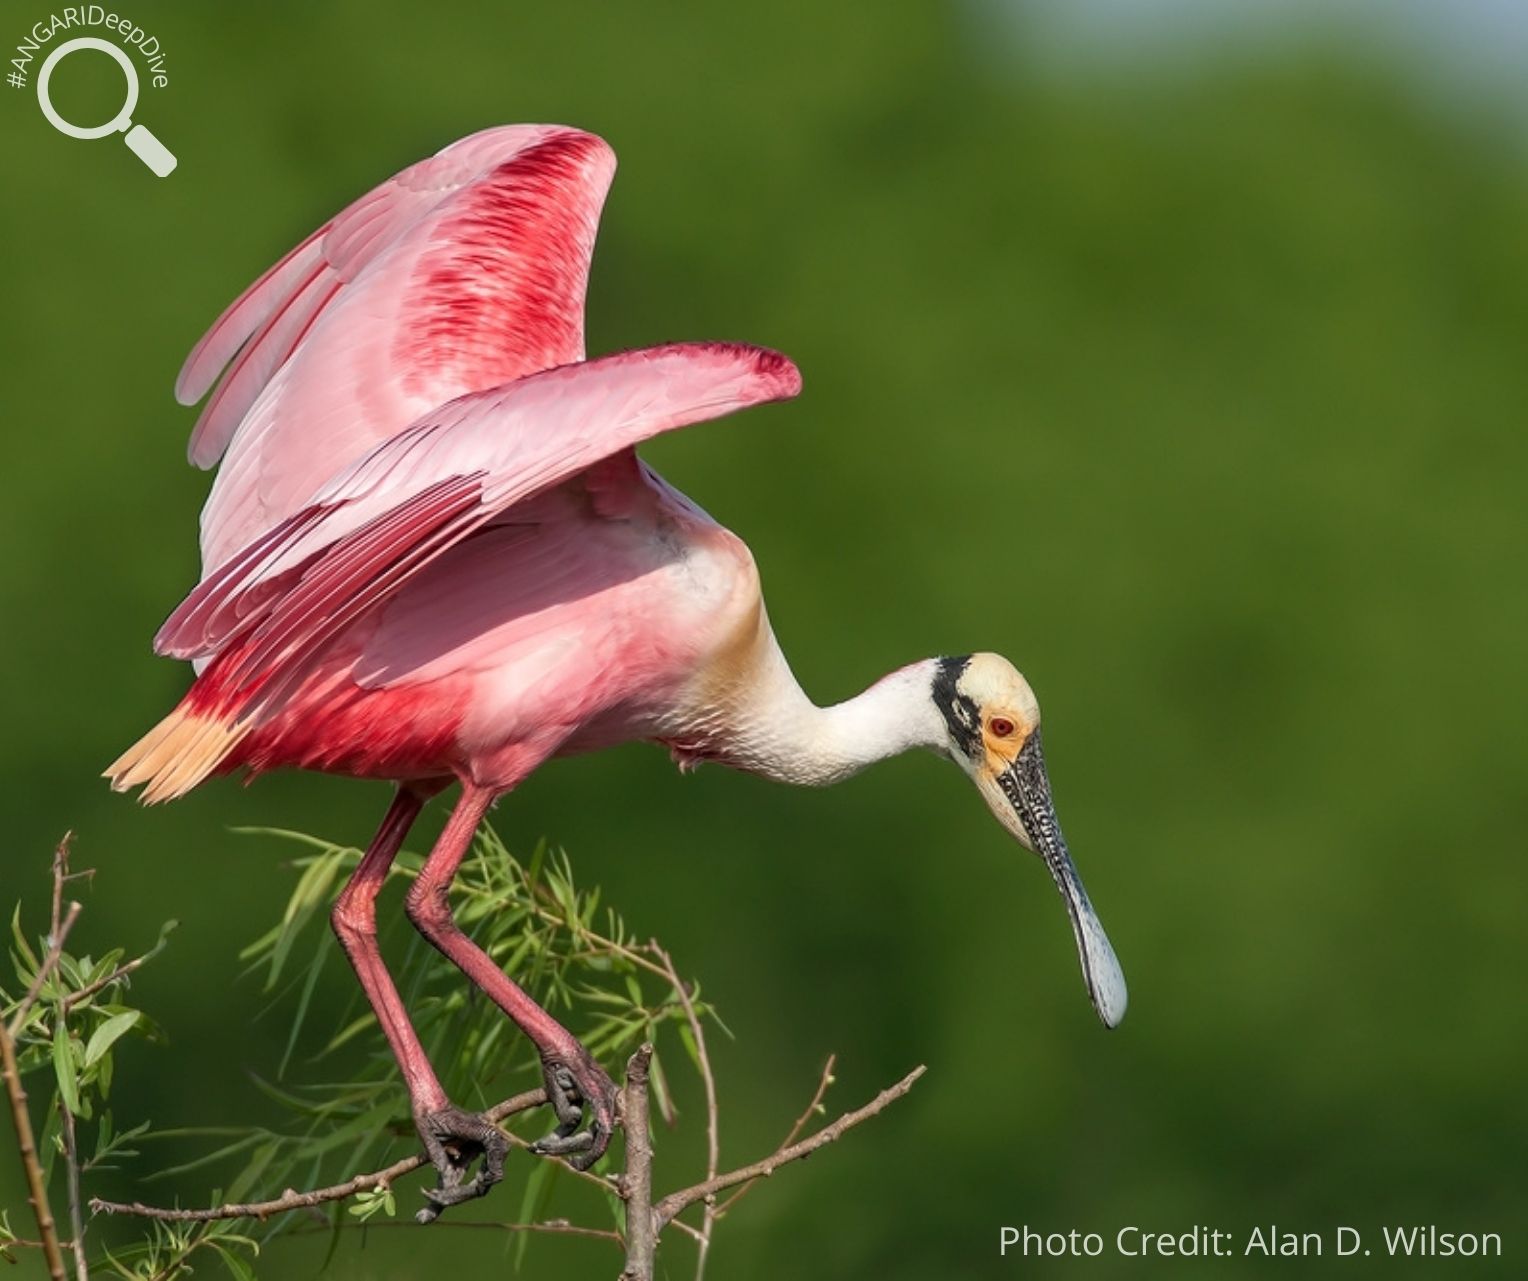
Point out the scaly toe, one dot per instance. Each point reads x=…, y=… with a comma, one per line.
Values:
x=453, y=1140
x=579, y=1090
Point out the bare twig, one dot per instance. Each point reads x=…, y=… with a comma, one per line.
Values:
x=72, y=1171
x=636, y=1185
x=106, y=980
x=27, y=1145
x=37, y=1192
x=71, y=1144
x=692, y=1232
x=672, y=1204
x=644, y=1221
x=60, y=875
x=825, y=1080
x=713, y=1115
x=294, y=1200
x=551, y=1227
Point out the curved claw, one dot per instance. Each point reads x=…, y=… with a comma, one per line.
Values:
x=577, y=1085
x=453, y=1140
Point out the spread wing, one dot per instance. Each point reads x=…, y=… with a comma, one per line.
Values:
x=275, y=604
x=463, y=272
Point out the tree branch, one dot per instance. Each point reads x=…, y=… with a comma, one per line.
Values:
x=825, y=1080
x=27, y=1145
x=713, y=1114
x=672, y=1204
x=37, y=1192
x=549, y=1227
x=636, y=1185
x=644, y=1221
x=72, y=1171
x=294, y=1200
x=106, y=980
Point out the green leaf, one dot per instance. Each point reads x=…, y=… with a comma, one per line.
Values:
x=52, y=1141
x=315, y=968
x=374, y=1201
x=238, y=1266
x=349, y=1030
x=538, y=1192
x=665, y=1099
x=285, y=834
x=533, y=873
x=64, y=1068
x=165, y=930
x=93, y=970
x=249, y=1140
x=617, y=1209
x=7, y=1237
x=261, y=945
x=312, y=891
x=687, y=1039
x=70, y=969
x=109, y=1145
x=144, y=1028
x=21, y=943
x=107, y=1035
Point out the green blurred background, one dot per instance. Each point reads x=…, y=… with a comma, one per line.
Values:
x=1180, y=359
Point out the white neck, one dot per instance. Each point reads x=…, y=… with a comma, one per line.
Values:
x=778, y=732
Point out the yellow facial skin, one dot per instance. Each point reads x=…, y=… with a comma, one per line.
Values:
x=1002, y=748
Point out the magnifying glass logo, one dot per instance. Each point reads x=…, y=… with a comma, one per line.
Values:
x=139, y=140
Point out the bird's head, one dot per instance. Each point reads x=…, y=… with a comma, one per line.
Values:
x=993, y=725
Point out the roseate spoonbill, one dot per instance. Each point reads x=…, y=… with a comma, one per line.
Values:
x=431, y=555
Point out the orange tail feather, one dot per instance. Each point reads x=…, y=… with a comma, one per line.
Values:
x=177, y=754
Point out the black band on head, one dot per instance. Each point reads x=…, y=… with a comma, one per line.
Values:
x=959, y=710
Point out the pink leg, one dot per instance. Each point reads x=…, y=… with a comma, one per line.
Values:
x=355, y=921
x=573, y=1078
x=452, y=1138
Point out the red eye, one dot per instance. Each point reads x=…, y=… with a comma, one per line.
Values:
x=1001, y=726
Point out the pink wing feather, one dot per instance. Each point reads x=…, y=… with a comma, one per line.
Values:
x=391, y=513
x=463, y=272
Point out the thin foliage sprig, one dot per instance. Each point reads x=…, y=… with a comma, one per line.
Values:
x=624, y=997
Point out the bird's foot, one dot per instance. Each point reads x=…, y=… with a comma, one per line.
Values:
x=454, y=1139
x=579, y=1090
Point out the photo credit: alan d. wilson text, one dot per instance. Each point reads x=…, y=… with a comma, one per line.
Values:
x=1421, y=1241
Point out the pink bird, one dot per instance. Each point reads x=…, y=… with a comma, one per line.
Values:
x=432, y=555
